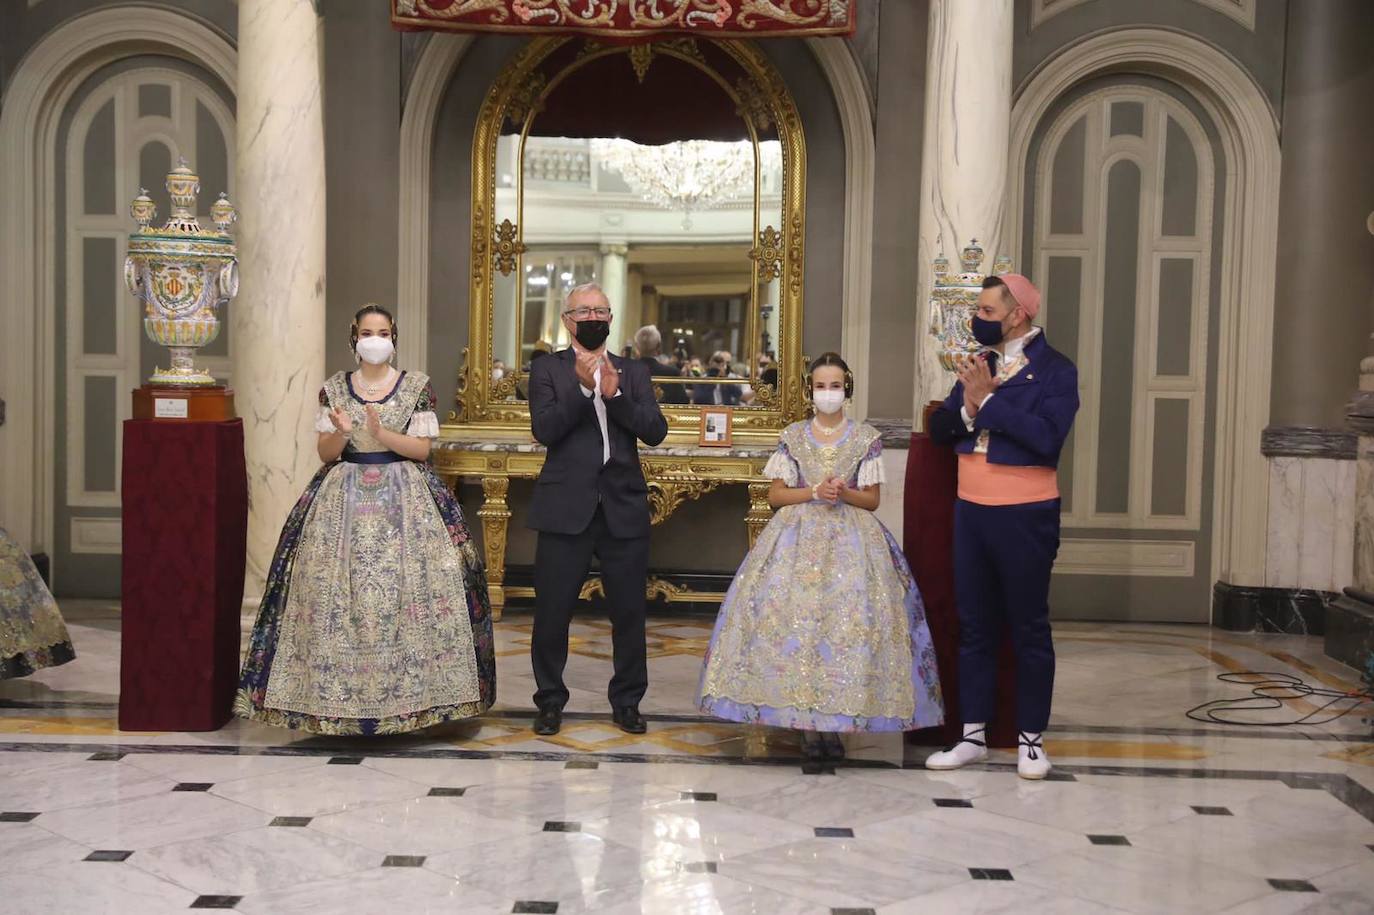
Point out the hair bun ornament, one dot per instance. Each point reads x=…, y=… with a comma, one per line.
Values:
x=835, y=359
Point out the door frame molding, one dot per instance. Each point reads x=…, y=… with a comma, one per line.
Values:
x=33, y=104
x=1250, y=140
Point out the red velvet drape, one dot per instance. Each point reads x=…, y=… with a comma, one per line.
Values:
x=928, y=541
x=185, y=497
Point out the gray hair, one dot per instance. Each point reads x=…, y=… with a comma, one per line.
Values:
x=586, y=287
x=648, y=339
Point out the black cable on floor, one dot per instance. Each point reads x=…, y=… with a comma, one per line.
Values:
x=1269, y=691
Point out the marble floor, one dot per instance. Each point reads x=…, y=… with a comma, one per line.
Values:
x=1147, y=810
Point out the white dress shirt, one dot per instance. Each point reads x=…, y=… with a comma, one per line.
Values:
x=599, y=405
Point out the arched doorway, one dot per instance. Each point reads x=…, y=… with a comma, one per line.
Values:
x=36, y=99
x=1195, y=85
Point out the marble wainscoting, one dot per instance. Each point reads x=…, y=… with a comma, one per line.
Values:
x=1311, y=535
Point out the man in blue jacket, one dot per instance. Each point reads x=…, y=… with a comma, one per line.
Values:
x=1007, y=417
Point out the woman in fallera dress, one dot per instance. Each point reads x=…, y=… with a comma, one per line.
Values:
x=375, y=618
x=32, y=634
x=823, y=629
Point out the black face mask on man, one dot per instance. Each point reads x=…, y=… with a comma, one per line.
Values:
x=988, y=333
x=591, y=334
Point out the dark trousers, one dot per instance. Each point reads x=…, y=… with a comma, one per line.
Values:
x=561, y=563
x=1003, y=556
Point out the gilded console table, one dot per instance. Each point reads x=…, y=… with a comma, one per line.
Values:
x=674, y=474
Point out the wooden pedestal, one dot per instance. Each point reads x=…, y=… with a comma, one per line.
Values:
x=186, y=404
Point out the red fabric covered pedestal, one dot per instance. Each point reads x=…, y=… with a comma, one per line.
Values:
x=928, y=541
x=185, y=543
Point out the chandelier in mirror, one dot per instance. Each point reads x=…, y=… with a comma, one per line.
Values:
x=689, y=175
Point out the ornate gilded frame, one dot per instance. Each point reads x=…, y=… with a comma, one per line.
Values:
x=518, y=94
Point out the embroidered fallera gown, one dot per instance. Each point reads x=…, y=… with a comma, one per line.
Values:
x=823, y=628
x=376, y=617
x=32, y=634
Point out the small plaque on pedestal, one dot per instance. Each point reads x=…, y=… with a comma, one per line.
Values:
x=211, y=404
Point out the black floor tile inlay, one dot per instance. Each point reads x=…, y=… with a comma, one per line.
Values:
x=216, y=902
x=582, y=764
x=447, y=792
x=853, y=912
x=105, y=756
x=403, y=861
x=952, y=802
x=108, y=854
x=194, y=786
x=697, y=796
x=1292, y=886
x=290, y=821
x=16, y=816
x=345, y=760
x=562, y=826
x=701, y=867
x=1109, y=840
x=1212, y=811
x=989, y=873
x=530, y=907
x=834, y=832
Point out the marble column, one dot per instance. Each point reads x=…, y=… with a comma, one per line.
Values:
x=1326, y=192
x=964, y=156
x=278, y=319
x=613, y=281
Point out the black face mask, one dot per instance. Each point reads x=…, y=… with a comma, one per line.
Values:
x=988, y=333
x=591, y=334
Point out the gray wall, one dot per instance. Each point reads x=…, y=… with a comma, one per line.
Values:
x=1260, y=52
x=22, y=27
x=900, y=95
x=1322, y=308
x=362, y=123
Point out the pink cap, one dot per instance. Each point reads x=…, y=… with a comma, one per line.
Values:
x=1024, y=292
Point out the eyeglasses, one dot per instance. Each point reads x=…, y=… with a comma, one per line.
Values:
x=583, y=313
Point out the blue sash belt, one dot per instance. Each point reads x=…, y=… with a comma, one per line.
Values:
x=373, y=457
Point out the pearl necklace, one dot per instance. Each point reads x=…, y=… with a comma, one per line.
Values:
x=823, y=431
x=371, y=390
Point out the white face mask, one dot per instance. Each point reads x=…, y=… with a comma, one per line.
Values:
x=375, y=350
x=828, y=401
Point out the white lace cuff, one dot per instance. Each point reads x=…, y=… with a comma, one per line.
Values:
x=871, y=472
x=423, y=425
x=323, y=422
x=781, y=467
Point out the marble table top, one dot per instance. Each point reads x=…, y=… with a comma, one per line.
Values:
x=516, y=447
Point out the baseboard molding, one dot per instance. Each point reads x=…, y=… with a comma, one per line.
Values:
x=1291, y=611
x=1350, y=632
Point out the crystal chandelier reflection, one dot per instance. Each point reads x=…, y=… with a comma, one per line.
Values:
x=687, y=175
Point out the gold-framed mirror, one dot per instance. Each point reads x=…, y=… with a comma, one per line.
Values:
x=673, y=175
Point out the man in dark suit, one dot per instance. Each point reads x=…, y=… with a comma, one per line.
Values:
x=649, y=343
x=590, y=409
x=728, y=395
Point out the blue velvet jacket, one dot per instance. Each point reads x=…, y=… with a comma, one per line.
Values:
x=1028, y=418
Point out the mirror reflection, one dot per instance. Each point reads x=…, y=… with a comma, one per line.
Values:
x=660, y=205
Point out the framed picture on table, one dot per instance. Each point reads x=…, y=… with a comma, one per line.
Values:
x=715, y=427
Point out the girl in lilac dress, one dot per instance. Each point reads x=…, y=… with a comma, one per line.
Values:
x=823, y=629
